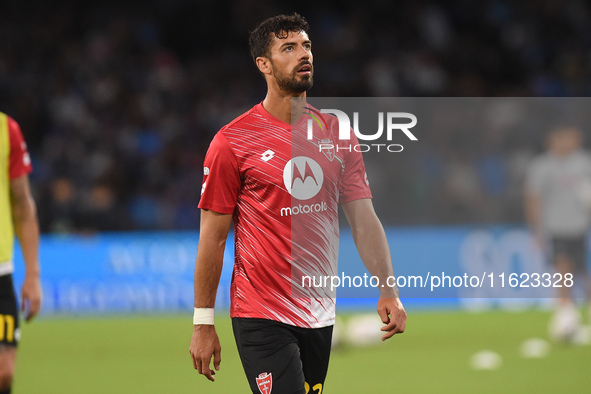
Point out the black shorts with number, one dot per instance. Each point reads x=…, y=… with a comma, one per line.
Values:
x=8, y=312
x=281, y=358
x=574, y=248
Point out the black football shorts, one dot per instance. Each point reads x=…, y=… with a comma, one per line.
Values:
x=574, y=248
x=9, y=332
x=280, y=358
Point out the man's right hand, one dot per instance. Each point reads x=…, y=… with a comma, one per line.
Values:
x=205, y=344
x=31, y=296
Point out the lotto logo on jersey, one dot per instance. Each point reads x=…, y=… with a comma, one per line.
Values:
x=265, y=383
x=303, y=177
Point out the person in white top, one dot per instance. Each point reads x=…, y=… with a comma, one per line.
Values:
x=558, y=211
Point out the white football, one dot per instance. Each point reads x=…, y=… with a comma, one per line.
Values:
x=364, y=330
x=338, y=337
x=565, y=324
x=583, y=336
x=486, y=360
x=534, y=348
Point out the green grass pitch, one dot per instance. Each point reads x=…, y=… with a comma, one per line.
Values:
x=150, y=355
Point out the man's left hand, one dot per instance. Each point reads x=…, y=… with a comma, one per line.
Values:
x=393, y=315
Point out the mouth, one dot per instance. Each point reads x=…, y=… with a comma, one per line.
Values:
x=305, y=69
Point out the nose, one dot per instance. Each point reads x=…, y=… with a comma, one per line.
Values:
x=304, y=54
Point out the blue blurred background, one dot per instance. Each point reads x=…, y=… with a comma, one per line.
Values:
x=118, y=102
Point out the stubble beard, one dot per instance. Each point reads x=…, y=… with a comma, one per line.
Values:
x=291, y=83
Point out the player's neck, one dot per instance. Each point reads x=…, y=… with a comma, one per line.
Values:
x=279, y=104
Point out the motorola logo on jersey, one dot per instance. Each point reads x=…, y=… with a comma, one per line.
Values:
x=303, y=177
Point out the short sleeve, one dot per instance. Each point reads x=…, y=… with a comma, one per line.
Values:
x=534, y=177
x=354, y=183
x=20, y=161
x=221, y=177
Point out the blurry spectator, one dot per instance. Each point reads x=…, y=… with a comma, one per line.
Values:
x=58, y=214
x=112, y=93
x=100, y=211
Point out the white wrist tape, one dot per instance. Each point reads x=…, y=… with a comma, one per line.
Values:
x=203, y=316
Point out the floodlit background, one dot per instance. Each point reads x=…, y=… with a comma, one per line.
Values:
x=118, y=102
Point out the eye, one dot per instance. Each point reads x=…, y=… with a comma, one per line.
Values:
x=288, y=48
x=307, y=47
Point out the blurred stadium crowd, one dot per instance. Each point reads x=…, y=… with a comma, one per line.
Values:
x=119, y=100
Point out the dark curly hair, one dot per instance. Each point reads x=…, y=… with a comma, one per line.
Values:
x=280, y=26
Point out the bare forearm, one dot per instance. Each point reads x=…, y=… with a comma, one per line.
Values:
x=210, y=256
x=374, y=251
x=371, y=242
x=208, y=269
x=26, y=228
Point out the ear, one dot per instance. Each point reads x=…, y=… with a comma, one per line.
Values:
x=264, y=65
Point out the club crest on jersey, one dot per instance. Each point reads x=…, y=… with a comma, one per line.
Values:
x=265, y=382
x=327, y=147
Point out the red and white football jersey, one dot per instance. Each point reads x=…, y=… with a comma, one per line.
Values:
x=283, y=191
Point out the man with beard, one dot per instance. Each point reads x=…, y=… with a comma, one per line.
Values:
x=261, y=172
